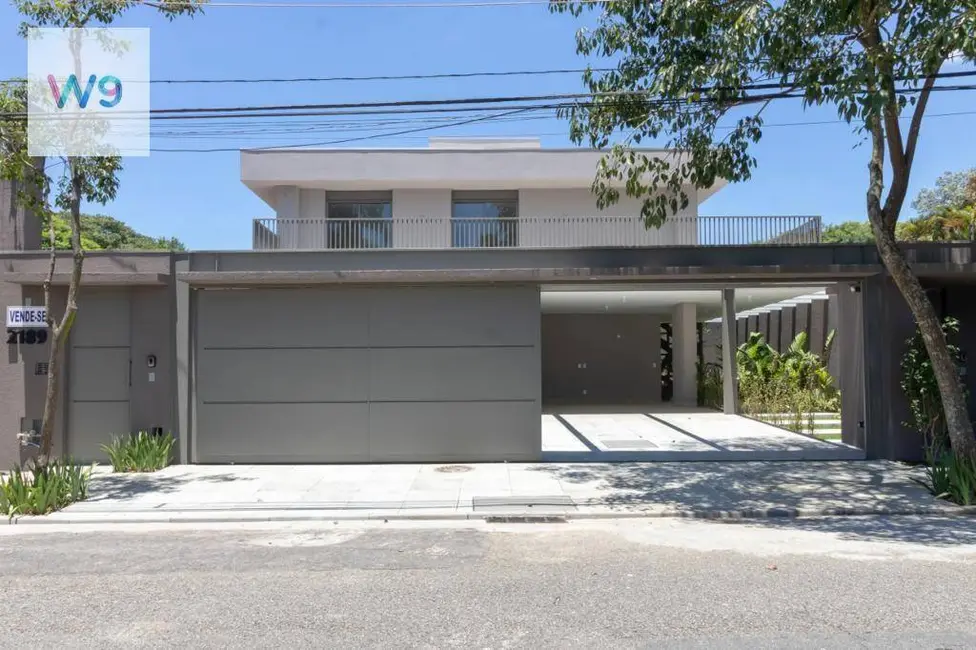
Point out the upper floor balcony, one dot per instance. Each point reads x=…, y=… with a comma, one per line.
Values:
x=322, y=233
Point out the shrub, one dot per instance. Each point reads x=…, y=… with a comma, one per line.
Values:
x=710, y=385
x=785, y=389
x=140, y=452
x=921, y=389
x=43, y=490
x=948, y=476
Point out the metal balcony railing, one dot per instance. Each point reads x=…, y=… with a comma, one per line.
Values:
x=530, y=232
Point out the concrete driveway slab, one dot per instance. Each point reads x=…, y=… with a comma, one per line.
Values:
x=594, y=490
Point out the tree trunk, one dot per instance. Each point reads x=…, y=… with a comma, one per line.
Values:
x=59, y=330
x=959, y=426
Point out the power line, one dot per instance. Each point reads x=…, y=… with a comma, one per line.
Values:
x=395, y=77
x=361, y=138
x=227, y=111
x=483, y=119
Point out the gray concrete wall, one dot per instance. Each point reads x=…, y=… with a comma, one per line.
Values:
x=150, y=280
x=404, y=374
x=96, y=368
x=601, y=359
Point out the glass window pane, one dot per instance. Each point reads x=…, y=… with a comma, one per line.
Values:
x=375, y=211
x=372, y=228
x=343, y=211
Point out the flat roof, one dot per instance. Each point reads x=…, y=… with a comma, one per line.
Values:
x=436, y=167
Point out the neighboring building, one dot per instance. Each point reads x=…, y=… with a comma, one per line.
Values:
x=422, y=305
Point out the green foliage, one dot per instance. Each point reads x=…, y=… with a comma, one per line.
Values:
x=689, y=76
x=952, y=190
x=949, y=476
x=82, y=13
x=710, y=389
x=140, y=452
x=942, y=224
x=43, y=490
x=920, y=387
x=785, y=388
x=100, y=232
x=848, y=232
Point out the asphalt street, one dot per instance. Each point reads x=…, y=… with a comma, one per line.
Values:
x=836, y=583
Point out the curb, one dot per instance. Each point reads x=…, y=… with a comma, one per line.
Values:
x=229, y=516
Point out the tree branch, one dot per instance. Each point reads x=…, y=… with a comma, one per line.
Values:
x=916, y=124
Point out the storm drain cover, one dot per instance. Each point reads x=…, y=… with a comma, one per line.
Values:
x=452, y=469
x=637, y=443
x=535, y=504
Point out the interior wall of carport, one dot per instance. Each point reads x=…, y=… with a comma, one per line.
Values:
x=601, y=359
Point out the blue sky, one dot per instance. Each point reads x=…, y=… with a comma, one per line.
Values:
x=198, y=197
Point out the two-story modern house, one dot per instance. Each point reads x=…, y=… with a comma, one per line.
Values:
x=420, y=305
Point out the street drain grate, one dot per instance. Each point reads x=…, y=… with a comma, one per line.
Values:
x=524, y=505
x=452, y=469
x=494, y=519
x=637, y=443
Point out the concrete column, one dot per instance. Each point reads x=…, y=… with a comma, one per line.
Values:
x=288, y=205
x=774, y=327
x=786, y=325
x=752, y=325
x=684, y=353
x=182, y=362
x=763, y=318
x=287, y=202
x=833, y=307
x=730, y=379
x=818, y=326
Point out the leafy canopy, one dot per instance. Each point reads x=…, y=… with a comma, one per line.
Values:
x=952, y=190
x=685, y=68
x=100, y=232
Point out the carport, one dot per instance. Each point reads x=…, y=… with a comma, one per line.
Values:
x=607, y=396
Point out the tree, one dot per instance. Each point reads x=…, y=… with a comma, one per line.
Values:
x=848, y=232
x=92, y=179
x=100, y=232
x=952, y=190
x=682, y=68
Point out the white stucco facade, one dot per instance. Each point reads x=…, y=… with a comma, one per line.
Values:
x=555, y=203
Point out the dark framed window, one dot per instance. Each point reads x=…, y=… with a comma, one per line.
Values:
x=484, y=219
x=360, y=219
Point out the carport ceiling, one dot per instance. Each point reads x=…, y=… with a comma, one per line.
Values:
x=580, y=299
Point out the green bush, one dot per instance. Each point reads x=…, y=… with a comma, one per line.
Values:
x=792, y=385
x=710, y=391
x=921, y=389
x=140, y=452
x=948, y=476
x=43, y=490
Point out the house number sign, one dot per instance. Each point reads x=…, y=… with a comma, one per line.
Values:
x=26, y=325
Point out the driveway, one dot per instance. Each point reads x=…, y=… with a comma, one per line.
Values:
x=676, y=434
x=751, y=489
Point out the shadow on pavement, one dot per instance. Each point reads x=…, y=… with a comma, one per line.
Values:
x=933, y=530
x=128, y=486
x=746, y=485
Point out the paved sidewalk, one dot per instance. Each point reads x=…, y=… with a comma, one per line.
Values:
x=322, y=492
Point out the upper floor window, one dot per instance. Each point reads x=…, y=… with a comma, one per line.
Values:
x=360, y=219
x=486, y=219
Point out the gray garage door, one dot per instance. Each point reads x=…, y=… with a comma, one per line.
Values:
x=361, y=375
x=98, y=372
